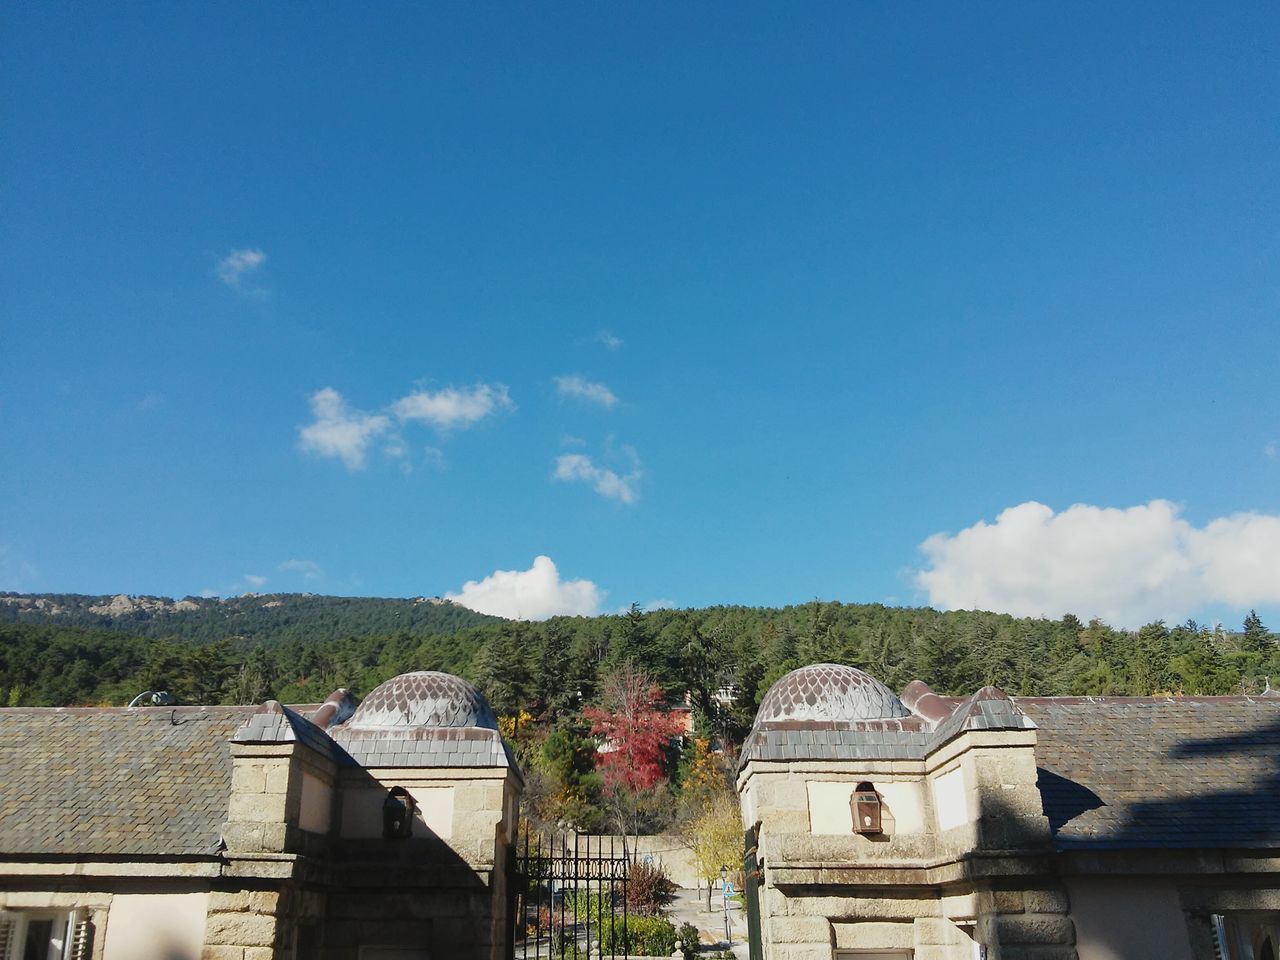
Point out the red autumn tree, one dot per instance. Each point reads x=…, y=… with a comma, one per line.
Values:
x=635, y=733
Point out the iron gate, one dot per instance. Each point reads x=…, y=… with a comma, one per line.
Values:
x=569, y=898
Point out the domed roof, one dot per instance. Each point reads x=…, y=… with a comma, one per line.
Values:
x=423, y=699
x=826, y=692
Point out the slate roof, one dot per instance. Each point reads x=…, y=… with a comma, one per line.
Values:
x=909, y=737
x=390, y=746
x=424, y=747
x=115, y=782
x=1138, y=772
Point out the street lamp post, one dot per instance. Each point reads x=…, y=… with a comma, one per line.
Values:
x=724, y=896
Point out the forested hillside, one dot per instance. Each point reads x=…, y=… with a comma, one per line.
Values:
x=269, y=618
x=303, y=647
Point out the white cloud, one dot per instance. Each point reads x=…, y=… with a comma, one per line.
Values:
x=1272, y=450
x=608, y=340
x=533, y=594
x=578, y=467
x=339, y=431
x=1127, y=566
x=309, y=569
x=254, y=580
x=579, y=388
x=233, y=267
x=451, y=407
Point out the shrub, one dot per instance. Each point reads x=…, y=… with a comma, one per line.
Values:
x=584, y=905
x=639, y=936
x=690, y=939
x=649, y=889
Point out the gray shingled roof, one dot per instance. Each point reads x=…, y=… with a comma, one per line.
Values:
x=896, y=738
x=1158, y=772
x=424, y=747
x=115, y=782
x=401, y=746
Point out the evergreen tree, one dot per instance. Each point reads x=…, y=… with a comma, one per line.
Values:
x=1256, y=638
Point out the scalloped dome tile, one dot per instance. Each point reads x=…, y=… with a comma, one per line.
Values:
x=426, y=698
x=829, y=692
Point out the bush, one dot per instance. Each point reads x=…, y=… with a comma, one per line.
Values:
x=689, y=937
x=649, y=890
x=639, y=936
x=584, y=905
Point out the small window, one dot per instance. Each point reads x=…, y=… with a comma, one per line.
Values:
x=45, y=935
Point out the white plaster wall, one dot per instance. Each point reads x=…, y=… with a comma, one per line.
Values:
x=1124, y=919
x=829, y=812
x=951, y=799
x=317, y=804
x=362, y=812
x=159, y=926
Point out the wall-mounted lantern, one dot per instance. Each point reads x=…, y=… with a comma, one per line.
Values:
x=865, y=804
x=397, y=814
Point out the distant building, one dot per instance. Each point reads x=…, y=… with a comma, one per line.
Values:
x=884, y=827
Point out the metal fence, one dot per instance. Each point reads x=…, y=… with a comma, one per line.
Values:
x=569, y=898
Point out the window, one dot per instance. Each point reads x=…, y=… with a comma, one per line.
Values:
x=45, y=935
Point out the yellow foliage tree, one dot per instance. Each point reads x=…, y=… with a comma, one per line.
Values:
x=715, y=838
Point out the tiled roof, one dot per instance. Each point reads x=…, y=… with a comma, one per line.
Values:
x=425, y=698
x=828, y=692
x=115, y=782
x=910, y=737
x=424, y=747
x=276, y=723
x=1159, y=772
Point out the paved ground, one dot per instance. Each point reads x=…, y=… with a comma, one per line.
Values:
x=691, y=907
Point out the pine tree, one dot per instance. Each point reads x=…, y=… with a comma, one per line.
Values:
x=1256, y=638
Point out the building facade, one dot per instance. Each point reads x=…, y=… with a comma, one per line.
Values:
x=371, y=832
x=1003, y=828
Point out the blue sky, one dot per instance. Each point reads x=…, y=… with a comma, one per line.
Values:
x=704, y=304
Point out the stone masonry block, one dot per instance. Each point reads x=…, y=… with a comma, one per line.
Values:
x=938, y=932
x=222, y=953
x=257, y=807
x=242, y=929
x=1036, y=929
x=248, y=778
x=223, y=902
x=260, y=953
x=805, y=953
x=266, y=901
x=864, y=908
x=1047, y=901
x=243, y=836
x=1052, y=953
x=277, y=778
x=1010, y=901
x=874, y=935
x=791, y=795
x=1014, y=767
x=799, y=930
